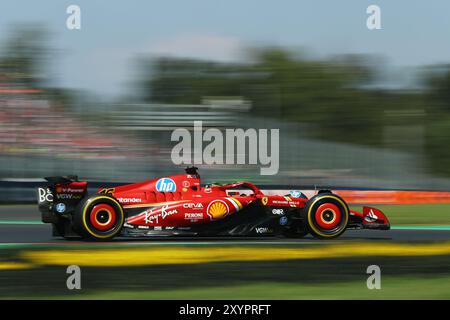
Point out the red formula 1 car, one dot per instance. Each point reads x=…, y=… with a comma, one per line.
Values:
x=180, y=205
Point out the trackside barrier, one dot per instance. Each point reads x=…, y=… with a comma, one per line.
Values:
x=394, y=197
x=381, y=196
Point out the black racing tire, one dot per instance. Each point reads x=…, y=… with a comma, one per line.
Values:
x=326, y=215
x=99, y=217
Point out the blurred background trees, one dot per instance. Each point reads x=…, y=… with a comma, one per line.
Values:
x=24, y=56
x=334, y=96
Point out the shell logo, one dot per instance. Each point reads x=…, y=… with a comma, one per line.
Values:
x=217, y=209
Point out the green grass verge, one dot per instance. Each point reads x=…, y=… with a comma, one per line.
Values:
x=415, y=214
x=391, y=288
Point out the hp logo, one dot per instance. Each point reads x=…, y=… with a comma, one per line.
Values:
x=166, y=185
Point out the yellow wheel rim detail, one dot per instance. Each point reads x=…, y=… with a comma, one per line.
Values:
x=345, y=216
x=86, y=225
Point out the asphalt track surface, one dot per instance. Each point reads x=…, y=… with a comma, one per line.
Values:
x=20, y=224
x=34, y=264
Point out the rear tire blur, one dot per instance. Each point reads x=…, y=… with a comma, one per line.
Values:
x=89, y=226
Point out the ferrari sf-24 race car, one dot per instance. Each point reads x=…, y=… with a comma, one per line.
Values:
x=180, y=206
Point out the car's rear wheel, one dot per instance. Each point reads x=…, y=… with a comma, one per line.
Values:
x=99, y=217
x=326, y=215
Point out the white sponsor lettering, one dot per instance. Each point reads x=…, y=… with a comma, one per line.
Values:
x=192, y=205
x=64, y=196
x=280, y=202
x=129, y=200
x=151, y=217
x=70, y=190
x=45, y=195
x=263, y=230
x=278, y=211
x=193, y=216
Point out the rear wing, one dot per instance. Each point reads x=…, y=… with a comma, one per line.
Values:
x=61, y=179
x=60, y=196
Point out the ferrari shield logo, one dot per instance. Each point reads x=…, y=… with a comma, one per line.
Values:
x=264, y=200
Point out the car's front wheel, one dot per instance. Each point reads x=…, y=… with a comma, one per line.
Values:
x=326, y=215
x=99, y=217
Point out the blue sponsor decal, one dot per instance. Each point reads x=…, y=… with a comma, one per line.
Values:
x=296, y=194
x=60, y=207
x=283, y=221
x=166, y=185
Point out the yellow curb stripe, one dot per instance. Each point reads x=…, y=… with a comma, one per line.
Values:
x=188, y=255
x=15, y=266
